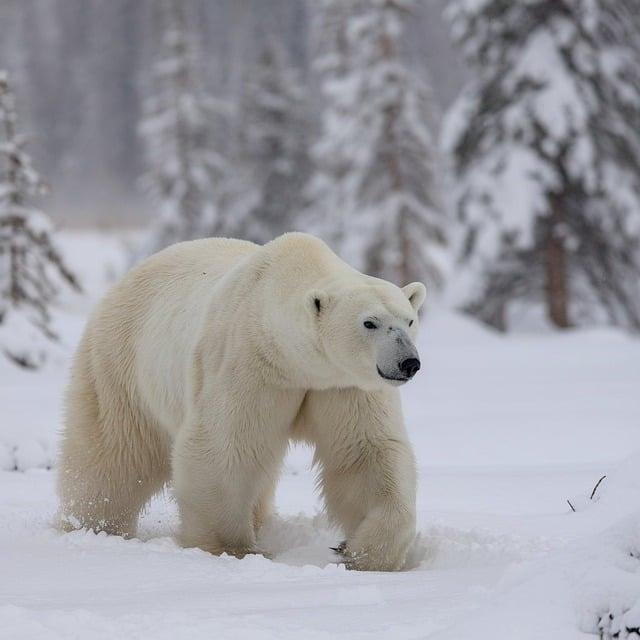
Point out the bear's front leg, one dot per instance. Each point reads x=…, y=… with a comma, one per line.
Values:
x=214, y=495
x=367, y=473
x=226, y=459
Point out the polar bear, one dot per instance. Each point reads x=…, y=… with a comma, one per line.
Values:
x=206, y=360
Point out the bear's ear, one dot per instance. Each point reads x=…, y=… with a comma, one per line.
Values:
x=416, y=292
x=317, y=301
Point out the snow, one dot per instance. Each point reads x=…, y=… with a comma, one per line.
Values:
x=505, y=430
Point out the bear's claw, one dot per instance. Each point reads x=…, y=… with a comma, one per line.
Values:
x=349, y=559
x=341, y=548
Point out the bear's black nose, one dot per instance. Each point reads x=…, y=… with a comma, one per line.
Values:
x=410, y=366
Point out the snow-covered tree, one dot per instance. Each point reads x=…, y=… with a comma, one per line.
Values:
x=184, y=167
x=326, y=192
x=546, y=145
x=376, y=187
x=273, y=150
x=31, y=266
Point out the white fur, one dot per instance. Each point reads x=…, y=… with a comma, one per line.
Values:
x=202, y=364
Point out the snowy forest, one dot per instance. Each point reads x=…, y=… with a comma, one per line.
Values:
x=490, y=149
x=487, y=148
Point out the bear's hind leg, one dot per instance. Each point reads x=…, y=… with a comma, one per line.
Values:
x=111, y=463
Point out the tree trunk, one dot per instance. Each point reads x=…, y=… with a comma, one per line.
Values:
x=400, y=272
x=557, y=292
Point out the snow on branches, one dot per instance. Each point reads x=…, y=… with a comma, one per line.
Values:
x=31, y=267
x=375, y=191
x=183, y=165
x=546, y=146
x=273, y=161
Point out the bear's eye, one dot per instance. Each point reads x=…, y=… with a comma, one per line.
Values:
x=410, y=322
x=370, y=325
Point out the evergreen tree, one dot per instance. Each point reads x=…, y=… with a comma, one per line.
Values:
x=31, y=266
x=327, y=192
x=273, y=157
x=184, y=169
x=546, y=145
x=377, y=153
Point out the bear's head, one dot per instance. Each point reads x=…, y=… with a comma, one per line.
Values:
x=367, y=332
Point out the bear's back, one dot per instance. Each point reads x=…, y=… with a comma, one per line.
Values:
x=211, y=255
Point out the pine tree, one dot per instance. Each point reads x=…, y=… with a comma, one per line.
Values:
x=377, y=181
x=184, y=168
x=546, y=145
x=327, y=192
x=31, y=267
x=273, y=153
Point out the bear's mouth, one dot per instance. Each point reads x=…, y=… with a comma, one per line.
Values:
x=398, y=381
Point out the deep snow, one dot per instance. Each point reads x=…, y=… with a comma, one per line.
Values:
x=505, y=430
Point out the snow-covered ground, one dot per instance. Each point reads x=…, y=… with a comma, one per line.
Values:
x=505, y=429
